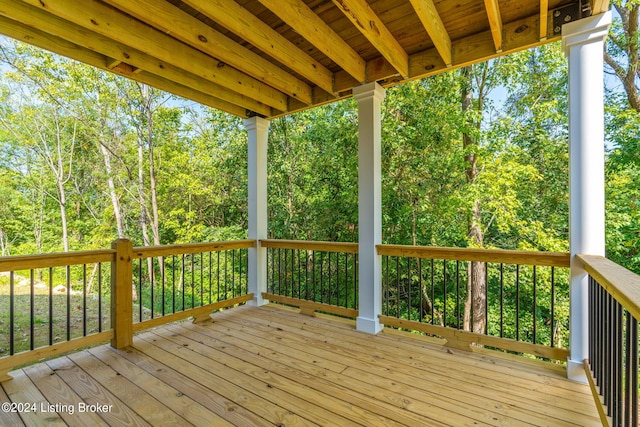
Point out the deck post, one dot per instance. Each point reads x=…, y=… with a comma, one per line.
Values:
x=122, y=294
x=258, y=130
x=583, y=43
x=369, y=97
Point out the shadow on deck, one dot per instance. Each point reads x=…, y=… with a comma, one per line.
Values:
x=272, y=366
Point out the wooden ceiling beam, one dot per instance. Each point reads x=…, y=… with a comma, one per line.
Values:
x=373, y=29
x=432, y=23
x=248, y=27
x=179, y=24
x=311, y=27
x=495, y=22
x=544, y=18
x=519, y=35
x=21, y=32
x=104, y=20
x=599, y=6
x=113, y=51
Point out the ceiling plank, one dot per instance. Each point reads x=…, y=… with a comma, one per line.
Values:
x=63, y=47
x=495, y=22
x=310, y=26
x=245, y=25
x=79, y=36
x=544, y=18
x=110, y=23
x=369, y=24
x=599, y=6
x=179, y=24
x=432, y=22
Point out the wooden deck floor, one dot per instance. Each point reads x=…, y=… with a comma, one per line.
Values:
x=272, y=366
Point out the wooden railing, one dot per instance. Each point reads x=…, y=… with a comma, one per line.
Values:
x=315, y=276
x=612, y=367
x=517, y=302
x=527, y=300
x=56, y=303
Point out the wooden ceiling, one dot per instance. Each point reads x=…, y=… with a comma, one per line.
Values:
x=274, y=57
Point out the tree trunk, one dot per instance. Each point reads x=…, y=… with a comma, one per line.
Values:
x=475, y=306
x=113, y=195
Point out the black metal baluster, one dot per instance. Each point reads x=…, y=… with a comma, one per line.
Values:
x=184, y=280
x=313, y=274
x=346, y=279
x=299, y=276
x=173, y=283
x=163, y=279
x=619, y=364
x=226, y=274
x=458, y=294
x=99, y=297
x=50, y=305
x=68, y=279
x=201, y=279
x=11, y=313
x=355, y=281
x=420, y=289
x=517, y=302
x=321, y=278
x=553, y=308
x=233, y=273
x=84, y=300
x=140, y=262
x=433, y=293
x=534, y=303
x=32, y=311
x=398, y=287
x=193, y=280
x=409, y=288
x=152, y=286
x=386, y=273
x=444, y=290
x=218, y=275
x=631, y=372
x=486, y=299
x=501, y=300
x=330, y=285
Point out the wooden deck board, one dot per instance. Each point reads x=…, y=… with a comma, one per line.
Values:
x=272, y=366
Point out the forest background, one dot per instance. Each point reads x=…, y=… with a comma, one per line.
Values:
x=472, y=157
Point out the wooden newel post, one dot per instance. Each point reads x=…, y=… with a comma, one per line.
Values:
x=121, y=294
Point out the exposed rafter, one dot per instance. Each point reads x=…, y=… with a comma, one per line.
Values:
x=544, y=18
x=171, y=20
x=495, y=22
x=52, y=43
x=241, y=22
x=79, y=36
x=599, y=6
x=309, y=25
x=367, y=22
x=430, y=18
x=106, y=21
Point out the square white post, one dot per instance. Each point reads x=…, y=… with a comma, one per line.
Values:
x=369, y=97
x=583, y=43
x=258, y=130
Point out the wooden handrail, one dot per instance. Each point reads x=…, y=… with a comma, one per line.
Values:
x=620, y=283
x=308, y=245
x=29, y=262
x=550, y=259
x=190, y=248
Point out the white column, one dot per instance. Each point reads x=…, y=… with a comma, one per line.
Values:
x=369, y=97
x=583, y=43
x=258, y=129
